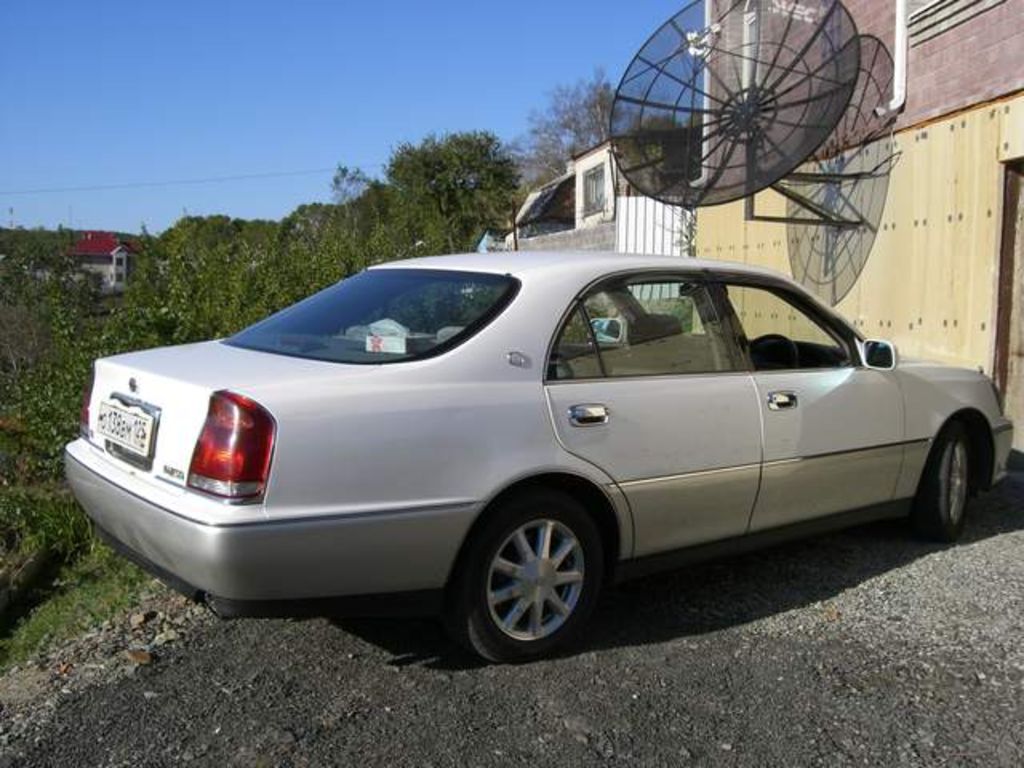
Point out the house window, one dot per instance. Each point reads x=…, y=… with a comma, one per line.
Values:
x=593, y=190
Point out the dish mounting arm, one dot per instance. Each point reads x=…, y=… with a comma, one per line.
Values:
x=819, y=215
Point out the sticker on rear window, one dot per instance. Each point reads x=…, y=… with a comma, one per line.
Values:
x=392, y=345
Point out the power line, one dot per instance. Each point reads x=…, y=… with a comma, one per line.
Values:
x=169, y=183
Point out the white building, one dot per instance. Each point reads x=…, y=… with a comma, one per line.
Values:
x=106, y=255
x=592, y=207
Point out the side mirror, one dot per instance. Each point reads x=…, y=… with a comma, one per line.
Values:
x=877, y=354
x=609, y=330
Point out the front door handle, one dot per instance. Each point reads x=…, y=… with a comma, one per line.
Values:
x=588, y=415
x=780, y=401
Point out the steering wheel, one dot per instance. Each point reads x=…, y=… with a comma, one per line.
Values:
x=774, y=351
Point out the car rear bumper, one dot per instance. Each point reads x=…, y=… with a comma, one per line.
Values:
x=259, y=568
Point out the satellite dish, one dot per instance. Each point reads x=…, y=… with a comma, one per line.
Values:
x=729, y=96
x=863, y=121
x=828, y=258
x=844, y=185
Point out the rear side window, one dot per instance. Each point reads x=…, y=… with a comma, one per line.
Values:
x=644, y=327
x=384, y=316
x=574, y=355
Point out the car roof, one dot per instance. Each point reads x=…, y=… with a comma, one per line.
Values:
x=577, y=268
x=533, y=264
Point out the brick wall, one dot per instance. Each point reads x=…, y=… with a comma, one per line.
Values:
x=971, y=62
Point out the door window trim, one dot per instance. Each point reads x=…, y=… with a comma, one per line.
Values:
x=736, y=338
x=705, y=277
x=840, y=332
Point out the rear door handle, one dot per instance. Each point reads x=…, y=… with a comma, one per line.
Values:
x=780, y=401
x=588, y=415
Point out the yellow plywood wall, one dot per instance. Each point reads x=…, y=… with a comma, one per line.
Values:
x=1011, y=115
x=929, y=282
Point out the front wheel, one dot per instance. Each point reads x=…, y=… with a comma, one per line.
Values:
x=529, y=580
x=940, y=507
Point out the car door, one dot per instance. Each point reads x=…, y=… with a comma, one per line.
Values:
x=832, y=428
x=645, y=382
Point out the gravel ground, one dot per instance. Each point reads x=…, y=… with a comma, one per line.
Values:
x=860, y=648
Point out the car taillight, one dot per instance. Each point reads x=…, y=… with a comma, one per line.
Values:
x=232, y=455
x=83, y=414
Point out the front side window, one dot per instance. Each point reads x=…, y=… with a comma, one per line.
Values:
x=384, y=316
x=642, y=327
x=781, y=335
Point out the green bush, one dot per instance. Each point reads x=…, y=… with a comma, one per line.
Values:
x=43, y=518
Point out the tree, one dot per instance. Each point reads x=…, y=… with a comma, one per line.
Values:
x=348, y=184
x=37, y=276
x=576, y=118
x=361, y=203
x=451, y=188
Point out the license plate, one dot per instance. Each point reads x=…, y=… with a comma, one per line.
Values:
x=131, y=429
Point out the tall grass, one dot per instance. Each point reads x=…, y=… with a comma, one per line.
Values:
x=43, y=517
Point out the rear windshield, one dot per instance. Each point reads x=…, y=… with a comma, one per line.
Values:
x=384, y=316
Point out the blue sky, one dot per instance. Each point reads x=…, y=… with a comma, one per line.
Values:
x=107, y=93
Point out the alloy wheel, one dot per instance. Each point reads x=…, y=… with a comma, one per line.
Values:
x=535, y=580
x=957, y=480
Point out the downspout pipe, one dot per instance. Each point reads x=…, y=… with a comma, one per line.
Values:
x=899, y=64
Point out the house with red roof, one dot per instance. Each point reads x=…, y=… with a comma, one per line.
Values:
x=107, y=255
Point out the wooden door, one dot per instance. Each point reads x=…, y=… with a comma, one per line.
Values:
x=1009, y=358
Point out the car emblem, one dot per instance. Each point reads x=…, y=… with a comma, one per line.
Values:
x=133, y=385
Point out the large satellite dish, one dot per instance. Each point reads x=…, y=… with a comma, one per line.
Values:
x=729, y=96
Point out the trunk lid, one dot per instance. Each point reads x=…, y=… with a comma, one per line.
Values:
x=148, y=408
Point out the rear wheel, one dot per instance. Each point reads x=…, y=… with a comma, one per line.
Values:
x=940, y=507
x=529, y=580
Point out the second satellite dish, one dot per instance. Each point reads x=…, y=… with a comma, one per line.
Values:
x=845, y=183
x=729, y=96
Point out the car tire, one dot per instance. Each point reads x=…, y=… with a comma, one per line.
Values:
x=515, y=598
x=940, y=507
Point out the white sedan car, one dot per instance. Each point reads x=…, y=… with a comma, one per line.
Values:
x=495, y=437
